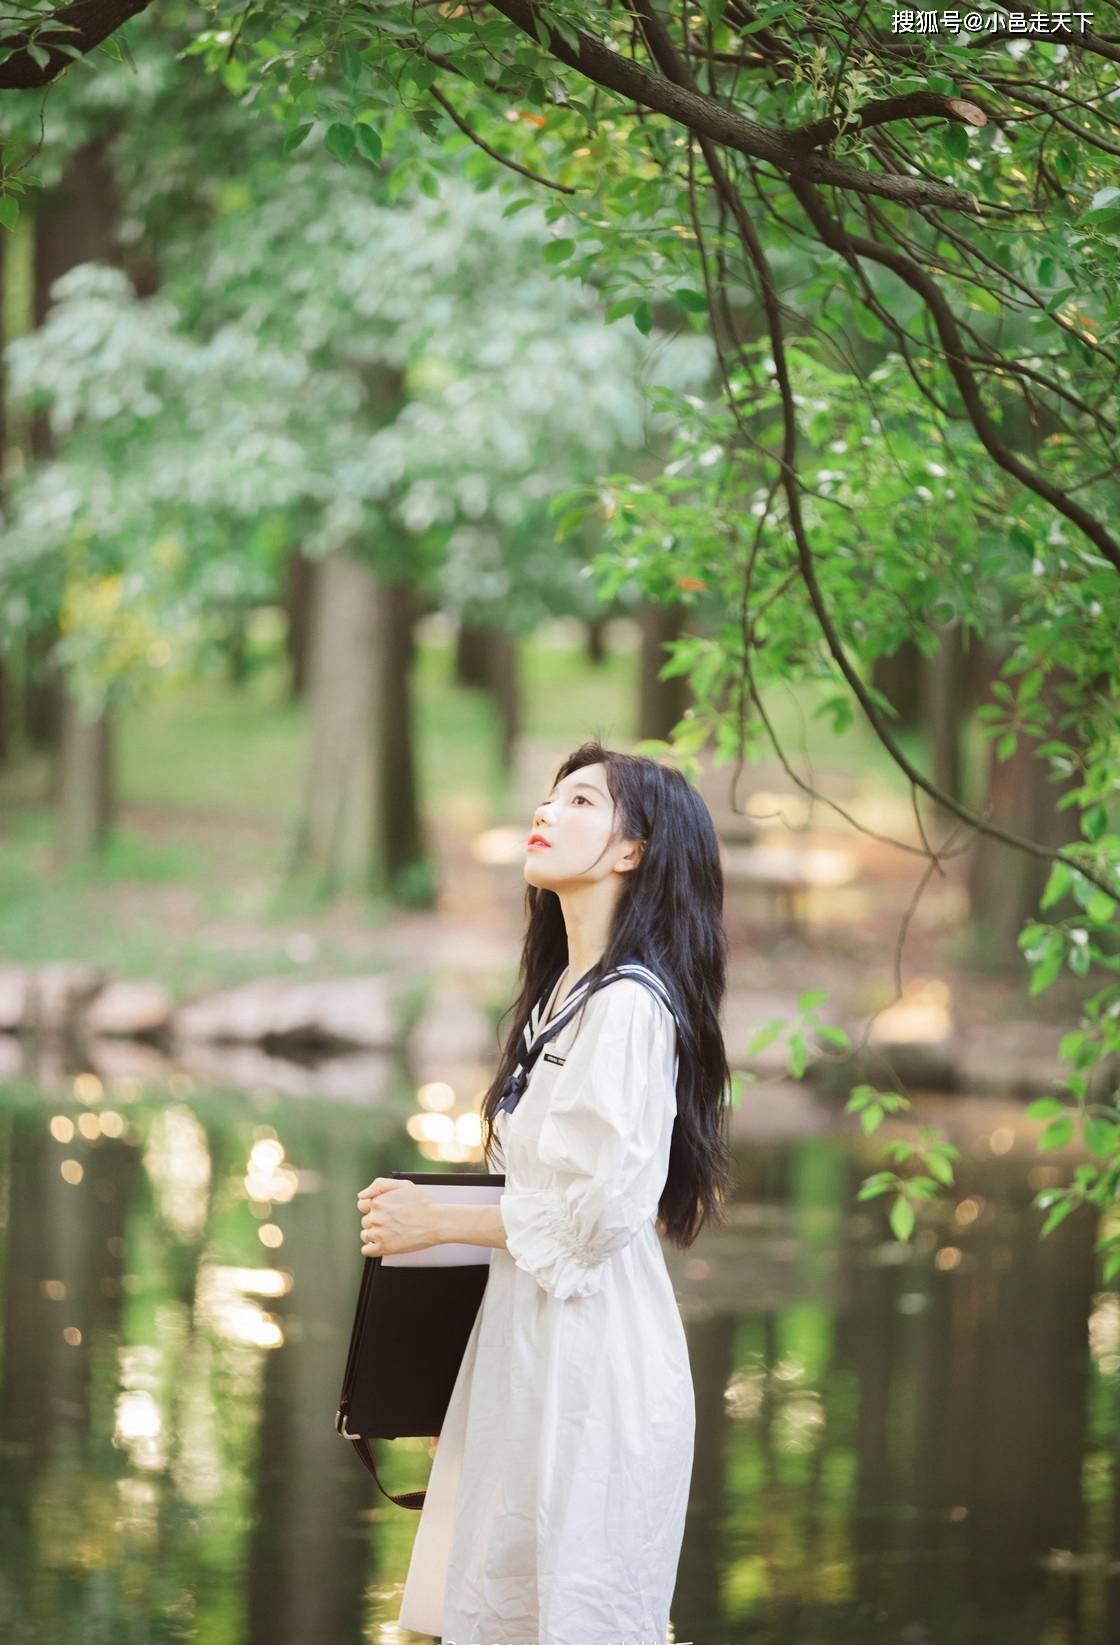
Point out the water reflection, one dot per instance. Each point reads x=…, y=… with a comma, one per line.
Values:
x=892, y=1446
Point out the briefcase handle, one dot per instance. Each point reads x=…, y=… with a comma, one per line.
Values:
x=403, y=1499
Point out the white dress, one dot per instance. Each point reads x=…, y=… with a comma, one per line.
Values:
x=555, y=1507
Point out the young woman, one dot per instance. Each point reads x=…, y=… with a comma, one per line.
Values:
x=555, y=1509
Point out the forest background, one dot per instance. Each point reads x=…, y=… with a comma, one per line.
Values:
x=344, y=344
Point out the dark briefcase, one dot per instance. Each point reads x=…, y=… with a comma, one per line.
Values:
x=415, y=1313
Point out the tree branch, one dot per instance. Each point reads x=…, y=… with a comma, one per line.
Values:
x=503, y=160
x=665, y=54
x=90, y=22
x=833, y=233
x=911, y=106
x=716, y=122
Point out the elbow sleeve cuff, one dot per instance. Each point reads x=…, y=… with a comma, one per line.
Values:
x=541, y=1240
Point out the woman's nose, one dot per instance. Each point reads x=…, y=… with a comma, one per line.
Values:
x=542, y=814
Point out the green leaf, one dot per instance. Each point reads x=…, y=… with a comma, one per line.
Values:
x=1107, y=222
x=1057, y=1134
x=810, y=998
x=902, y=1218
x=1047, y=969
x=340, y=141
x=939, y=1167
x=1065, y=160
x=643, y=319
x=1101, y=1136
x=558, y=251
x=954, y=140
x=1101, y=907
x=1094, y=821
x=694, y=301
x=1044, y=1108
x=369, y=143
x=881, y=1183
x=766, y=18
x=9, y=210
x=868, y=324
x=1059, y=1214
x=235, y=74
x=568, y=34
x=1058, y=883
x=296, y=136
x=765, y=1036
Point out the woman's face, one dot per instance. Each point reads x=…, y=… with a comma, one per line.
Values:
x=571, y=840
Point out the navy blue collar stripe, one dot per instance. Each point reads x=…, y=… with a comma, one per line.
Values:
x=535, y=1037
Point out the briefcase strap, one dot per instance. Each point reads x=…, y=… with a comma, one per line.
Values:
x=405, y=1499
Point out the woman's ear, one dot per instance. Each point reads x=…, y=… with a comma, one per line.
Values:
x=631, y=857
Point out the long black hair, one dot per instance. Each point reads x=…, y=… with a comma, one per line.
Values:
x=669, y=917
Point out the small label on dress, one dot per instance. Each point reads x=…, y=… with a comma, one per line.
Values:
x=548, y=1057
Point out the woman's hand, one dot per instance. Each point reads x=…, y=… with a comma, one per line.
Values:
x=398, y=1216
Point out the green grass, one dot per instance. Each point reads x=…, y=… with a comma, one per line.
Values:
x=213, y=747
x=210, y=779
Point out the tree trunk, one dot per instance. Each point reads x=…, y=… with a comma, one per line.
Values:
x=85, y=798
x=75, y=223
x=595, y=634
x=505, y=682
x=5, y=678
x=660, y=702
x=42, y=694
x=236, y=646
x=944, y=684
x=335, y=835
x=399, y=864
x=299, y=596
x=472, y=655
x=899, y=678
x=1005, y=884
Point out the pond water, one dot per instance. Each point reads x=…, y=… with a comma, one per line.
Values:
x=907, y=1445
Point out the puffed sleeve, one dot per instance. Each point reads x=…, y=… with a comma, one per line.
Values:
x=604, y=1140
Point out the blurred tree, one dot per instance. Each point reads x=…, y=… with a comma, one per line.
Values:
x=382, y=378
x=299, y=596
x=76, y=222
x=661, y=701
